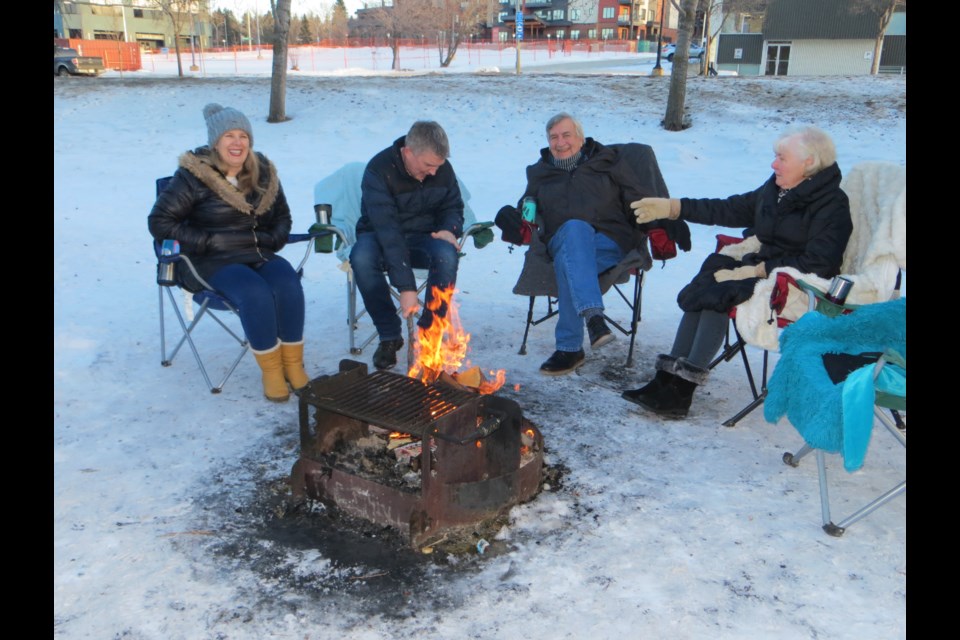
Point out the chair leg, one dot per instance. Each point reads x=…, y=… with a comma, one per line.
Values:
x=635, y=317
x=167, y=359
x=526, y=330
x=758, y=397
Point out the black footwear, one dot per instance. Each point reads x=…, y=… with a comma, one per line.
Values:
x=671, y=398
x=562, y=362
x=648, y=390
x=386, y=354
x=599, y=332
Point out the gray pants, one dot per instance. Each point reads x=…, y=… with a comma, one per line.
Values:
x=700, y=336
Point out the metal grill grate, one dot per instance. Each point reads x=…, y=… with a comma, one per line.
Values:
x=388, y=400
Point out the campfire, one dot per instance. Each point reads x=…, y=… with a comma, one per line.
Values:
x=441, y=349
x=430, y=460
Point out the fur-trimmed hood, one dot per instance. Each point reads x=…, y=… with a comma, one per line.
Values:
x=196, y=162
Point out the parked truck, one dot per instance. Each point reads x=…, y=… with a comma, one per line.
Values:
x=67, y=62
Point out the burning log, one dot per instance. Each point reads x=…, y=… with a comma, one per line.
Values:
x=441, y=349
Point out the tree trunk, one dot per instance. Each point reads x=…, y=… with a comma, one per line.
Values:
x=395, y=50
x=176, y=48
x=674, y=120
x=278, y=80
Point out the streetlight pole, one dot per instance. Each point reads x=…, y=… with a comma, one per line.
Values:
x=657, y=69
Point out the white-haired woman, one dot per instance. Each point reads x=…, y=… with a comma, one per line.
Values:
x=801, y=218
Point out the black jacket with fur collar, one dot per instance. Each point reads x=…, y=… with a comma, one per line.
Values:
x=214, y=222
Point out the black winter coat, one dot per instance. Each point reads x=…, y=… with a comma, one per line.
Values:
x=807, y=230
x=214, y=222
x=394, y=204
x=599, y=191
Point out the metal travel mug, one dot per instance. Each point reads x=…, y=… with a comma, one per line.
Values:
x=529, y=209
x=839, y=288
x=323, y=244
x=166, y=271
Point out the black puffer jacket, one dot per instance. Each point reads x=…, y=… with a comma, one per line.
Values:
x=599, y=191
x=214, y=222
x=394, y=204
x=807, y=230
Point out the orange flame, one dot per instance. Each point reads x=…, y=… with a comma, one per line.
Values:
x=443, y=346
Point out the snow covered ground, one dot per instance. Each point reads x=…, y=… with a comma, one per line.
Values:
x=169, y=510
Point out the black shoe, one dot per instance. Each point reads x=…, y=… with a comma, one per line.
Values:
x=386, y=354
x=562, y=362
x=648, y=390
x=599, y=332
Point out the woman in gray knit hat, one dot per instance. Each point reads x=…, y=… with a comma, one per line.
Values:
x=226, y=207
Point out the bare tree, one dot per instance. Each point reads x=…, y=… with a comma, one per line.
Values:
x=178, y=12
x=278, y=77
x=457, y=20
x=403, y=20
x=883, y=11
x=674, y=120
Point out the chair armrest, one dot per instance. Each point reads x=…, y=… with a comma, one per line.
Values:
x=472, y=231
x=819, y=302
x=179, y=257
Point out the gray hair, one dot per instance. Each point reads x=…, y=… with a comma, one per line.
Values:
x=810, y=142
x=560, y=117
x=427, y=135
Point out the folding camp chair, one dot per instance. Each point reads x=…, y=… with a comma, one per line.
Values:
x=538, y=280
x=211, y=305
x=875, y=259
x=339, y=194
x=835, y=378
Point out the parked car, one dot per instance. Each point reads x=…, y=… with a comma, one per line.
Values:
x=67, y=62
x=696, y=51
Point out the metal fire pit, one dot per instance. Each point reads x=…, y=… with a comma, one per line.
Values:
x=475, y=474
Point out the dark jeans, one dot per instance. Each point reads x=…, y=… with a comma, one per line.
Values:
x=269, y=299
x=439, y=257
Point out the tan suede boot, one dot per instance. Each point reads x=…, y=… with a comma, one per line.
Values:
x=293, y=371
x=274, y=384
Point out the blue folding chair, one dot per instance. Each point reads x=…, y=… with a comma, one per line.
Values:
x=206, y=303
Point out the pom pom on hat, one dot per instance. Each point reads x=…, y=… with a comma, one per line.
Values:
x=222, y=119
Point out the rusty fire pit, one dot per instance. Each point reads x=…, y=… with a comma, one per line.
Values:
x=478, y=455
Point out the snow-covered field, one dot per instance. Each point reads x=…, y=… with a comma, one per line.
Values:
x=169, y=510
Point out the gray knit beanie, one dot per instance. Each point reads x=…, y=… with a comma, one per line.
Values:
x=222, y=119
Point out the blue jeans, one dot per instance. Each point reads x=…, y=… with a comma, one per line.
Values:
x=439, y=257
x=579, y=254
x=269, y=299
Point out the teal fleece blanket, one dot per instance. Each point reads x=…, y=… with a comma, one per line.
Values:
x=801, y=389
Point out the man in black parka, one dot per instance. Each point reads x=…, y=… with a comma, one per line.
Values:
x=411, y=214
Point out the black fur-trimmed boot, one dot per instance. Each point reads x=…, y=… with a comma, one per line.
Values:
x=664, y=366
x=673, y=399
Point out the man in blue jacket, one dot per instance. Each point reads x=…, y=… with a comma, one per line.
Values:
x=411, y=214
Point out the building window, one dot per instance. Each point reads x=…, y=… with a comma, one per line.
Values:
x=76, y=33
x=107, y=35
x=592, y=34
x=560, y=34
x=575, y=34
x=558, y=14
x=503, y=15
x=607, y=34
x=138, y=13
x=642, y=14
x=608, y=12
x=574, y=14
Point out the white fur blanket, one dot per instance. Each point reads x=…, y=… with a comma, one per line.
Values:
x=876, y=251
